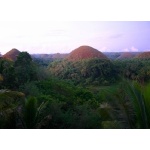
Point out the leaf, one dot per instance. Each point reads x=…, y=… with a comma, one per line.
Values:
x=138, y=101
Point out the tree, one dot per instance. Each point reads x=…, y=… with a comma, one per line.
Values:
x=25, y=69
x=140, y=98
x=31, y=113
x=10, y=104
x=7, y=73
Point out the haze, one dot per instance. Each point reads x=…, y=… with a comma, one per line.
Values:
x=63, y=37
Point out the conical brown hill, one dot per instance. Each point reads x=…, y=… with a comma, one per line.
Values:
x=126, y=55
x=12, y=54
x=85, y=52
x=143, y=55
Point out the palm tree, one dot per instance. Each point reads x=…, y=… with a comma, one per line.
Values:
x=140, y=98
x=117, y=110
x=134, y=103
x=31, y=114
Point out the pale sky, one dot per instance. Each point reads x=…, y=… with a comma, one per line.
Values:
x=63, y=37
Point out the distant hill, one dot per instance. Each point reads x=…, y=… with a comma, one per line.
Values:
x=12, y=54
x=143, y=55
x=126, y=55
x=112, y=55
x=59, y=56
x=50, y=56
x=85, y=52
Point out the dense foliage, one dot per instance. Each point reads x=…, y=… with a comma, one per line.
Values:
x=134, y=69
x=91, y=93
x=88, y=71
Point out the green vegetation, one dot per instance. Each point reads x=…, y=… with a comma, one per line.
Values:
x=85, y=94
x=87, y=71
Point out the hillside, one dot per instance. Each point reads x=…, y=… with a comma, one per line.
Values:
x=85, y=52
x=143, y=55
x=12, y=54
x=126, y=55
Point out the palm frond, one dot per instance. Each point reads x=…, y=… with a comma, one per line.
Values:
x=138, y=101
x=146, y=94
x=30, y=112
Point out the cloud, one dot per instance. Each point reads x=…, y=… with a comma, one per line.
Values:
x=133, y=49
x=126, y=50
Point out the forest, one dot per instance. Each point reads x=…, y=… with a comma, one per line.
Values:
x=85, y=94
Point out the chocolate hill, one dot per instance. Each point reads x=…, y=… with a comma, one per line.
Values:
x=12, y=54
x=126, y=55
x=143, y=55
x=85, y=52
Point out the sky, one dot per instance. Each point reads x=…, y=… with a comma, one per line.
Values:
x=65, y=36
